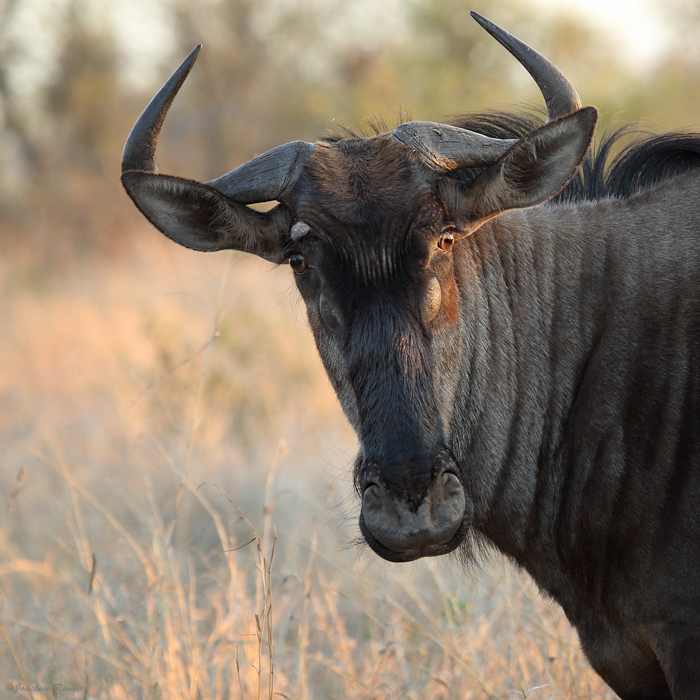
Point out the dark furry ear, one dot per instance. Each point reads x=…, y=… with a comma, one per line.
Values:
x=532, y=171
x=199, y=217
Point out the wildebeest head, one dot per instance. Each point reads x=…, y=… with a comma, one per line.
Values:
x=368, y=226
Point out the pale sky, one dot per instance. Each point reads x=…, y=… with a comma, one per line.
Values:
x=143, y=28
x=642, y=31
x=639, y=25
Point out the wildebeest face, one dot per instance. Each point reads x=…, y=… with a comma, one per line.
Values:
x=372, y=249
x=371, y=227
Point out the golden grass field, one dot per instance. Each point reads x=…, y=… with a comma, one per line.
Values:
x=166, y=427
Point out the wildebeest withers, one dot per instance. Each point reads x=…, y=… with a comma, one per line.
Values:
x=514, y=338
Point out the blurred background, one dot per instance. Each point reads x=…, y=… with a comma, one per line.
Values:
x=161, y=408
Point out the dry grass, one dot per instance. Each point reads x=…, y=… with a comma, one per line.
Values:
x=166, y=429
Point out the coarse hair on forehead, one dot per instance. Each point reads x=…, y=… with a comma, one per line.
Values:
x=360, y=179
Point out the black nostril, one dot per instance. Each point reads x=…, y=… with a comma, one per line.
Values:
x=372, y=494
x=393, y=521
x=366, y=479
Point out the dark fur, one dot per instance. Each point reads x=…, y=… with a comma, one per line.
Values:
x=556, y=383
x=577, y=419
x=609, y=527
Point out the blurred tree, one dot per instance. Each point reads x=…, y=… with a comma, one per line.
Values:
x=84, y=93
x=227, y=106
x=68, y=137
x=669, y=94
x=15, y=127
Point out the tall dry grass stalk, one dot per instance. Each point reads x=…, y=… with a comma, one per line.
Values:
x=125, y=572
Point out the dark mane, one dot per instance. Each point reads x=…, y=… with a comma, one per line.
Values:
x=375, y=126
x=610, y=169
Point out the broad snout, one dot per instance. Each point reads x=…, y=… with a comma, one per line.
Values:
x=418, y=509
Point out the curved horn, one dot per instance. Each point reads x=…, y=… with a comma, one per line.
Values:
x=558, y=92
x=140, y=148
x=267, y=177
x=210, y=215
x=444, y=147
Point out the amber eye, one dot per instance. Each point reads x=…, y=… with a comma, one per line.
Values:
x=297, y=262
x=446, y=240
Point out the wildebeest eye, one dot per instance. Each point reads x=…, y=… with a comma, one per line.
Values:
x=298, y=263
x=446, y=240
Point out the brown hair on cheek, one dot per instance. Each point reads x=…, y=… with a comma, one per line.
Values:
x=448, y=313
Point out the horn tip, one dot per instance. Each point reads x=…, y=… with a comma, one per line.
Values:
x=191, y=58
x=140, y=148
x=480, y=19
x=493, y=29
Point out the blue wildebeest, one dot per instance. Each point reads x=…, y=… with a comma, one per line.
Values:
x=512, y=325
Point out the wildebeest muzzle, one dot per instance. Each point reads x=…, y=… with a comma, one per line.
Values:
x=414, y=509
